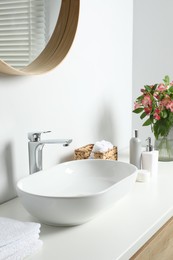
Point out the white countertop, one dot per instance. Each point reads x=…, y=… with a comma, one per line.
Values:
x=115, y=234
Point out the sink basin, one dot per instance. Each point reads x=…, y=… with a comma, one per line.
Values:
x=74, y=192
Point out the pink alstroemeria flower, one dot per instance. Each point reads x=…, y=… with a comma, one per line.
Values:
x=165, y=102
x=157, y=114
x=156, y=94
x=137, y=105
x=146, y=101
x=170, y=106
x=147, y=110
x=162, y=87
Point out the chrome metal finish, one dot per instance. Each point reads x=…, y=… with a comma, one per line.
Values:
x=35, y=137
x=35, y=149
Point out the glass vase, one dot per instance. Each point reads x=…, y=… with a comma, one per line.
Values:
x=164, y=145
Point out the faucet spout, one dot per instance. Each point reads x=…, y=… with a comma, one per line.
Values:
x=35, y=149
x=64, y=142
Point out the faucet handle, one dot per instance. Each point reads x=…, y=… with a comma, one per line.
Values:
x=36, y=136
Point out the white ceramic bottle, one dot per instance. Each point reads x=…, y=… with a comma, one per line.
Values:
x=135, y=150
x=150, y=160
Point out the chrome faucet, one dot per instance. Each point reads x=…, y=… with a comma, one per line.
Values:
x=35, y=149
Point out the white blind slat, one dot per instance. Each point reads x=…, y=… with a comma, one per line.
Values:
x=22, y=31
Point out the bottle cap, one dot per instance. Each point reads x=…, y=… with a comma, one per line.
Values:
x=136, y=133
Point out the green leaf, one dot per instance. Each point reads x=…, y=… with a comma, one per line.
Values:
x=148, y=88
x=138, y=110
x=166, y=80
x=140, y=98
x=170, y=118
x=148, y=122
x=161, y=127
x=154, y=87
x=171, y=89
x=143, y=115
x=164, y=114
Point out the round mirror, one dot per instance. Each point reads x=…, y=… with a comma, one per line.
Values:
x=35, y=35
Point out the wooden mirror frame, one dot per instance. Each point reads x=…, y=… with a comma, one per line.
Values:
x=58, y=45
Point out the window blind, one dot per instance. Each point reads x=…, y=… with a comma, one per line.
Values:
x=22, y=31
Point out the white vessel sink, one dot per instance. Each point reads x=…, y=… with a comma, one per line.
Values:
x=74, y=192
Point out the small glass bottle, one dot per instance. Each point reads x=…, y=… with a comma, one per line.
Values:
x=135, y=150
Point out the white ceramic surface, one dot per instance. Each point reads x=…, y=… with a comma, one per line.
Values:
x=74, y=192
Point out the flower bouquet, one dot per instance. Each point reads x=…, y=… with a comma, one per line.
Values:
x=156, y=105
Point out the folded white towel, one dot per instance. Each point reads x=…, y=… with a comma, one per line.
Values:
x=19, y=249
x=102, y=147
x=18, y=239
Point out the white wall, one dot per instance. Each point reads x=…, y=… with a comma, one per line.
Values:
x=87, y=97
x=152, y=49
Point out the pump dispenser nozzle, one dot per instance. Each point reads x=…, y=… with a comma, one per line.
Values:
x=149, y=146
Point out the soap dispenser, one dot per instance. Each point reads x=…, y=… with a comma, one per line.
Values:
x=150, y=160
x=135, y=150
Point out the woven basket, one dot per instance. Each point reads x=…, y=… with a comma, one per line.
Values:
x=85, y=151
